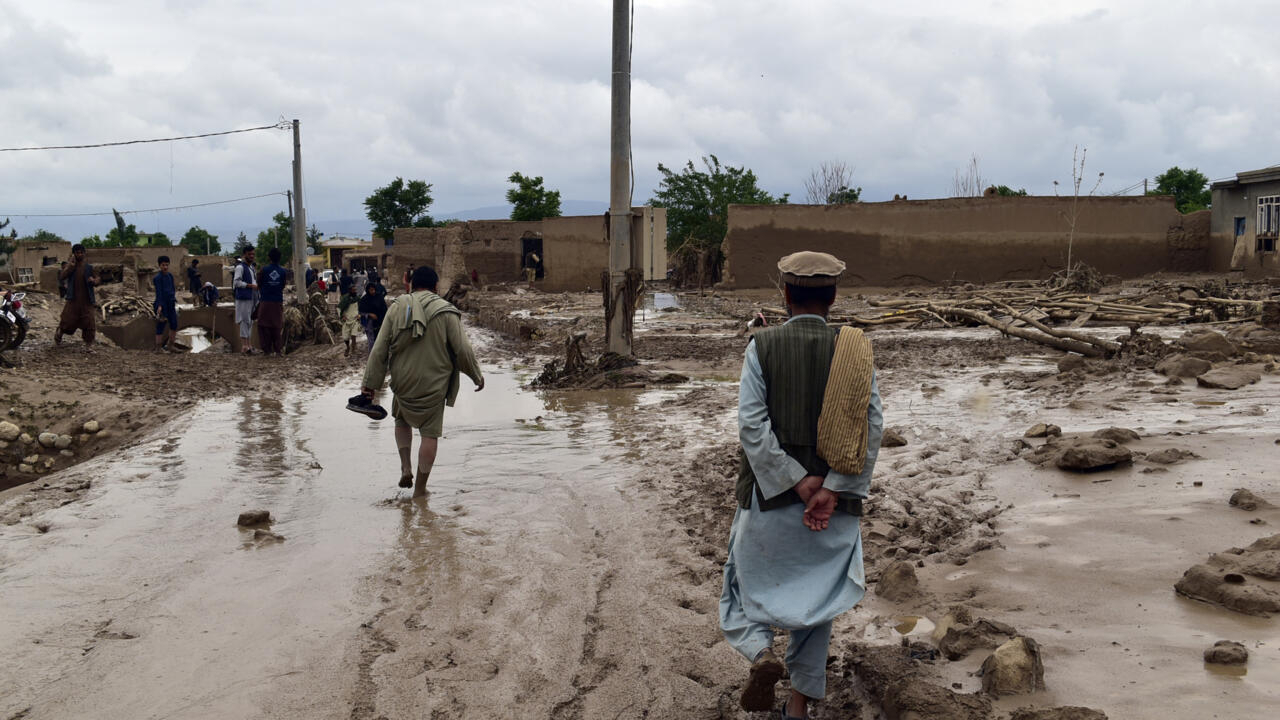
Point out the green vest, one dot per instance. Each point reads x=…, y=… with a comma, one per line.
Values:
x=795, y=360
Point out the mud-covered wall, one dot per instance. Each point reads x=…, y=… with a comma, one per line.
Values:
x=1240, y=252
x=972, y=239
x=575, y=250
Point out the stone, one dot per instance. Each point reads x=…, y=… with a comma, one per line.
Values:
x=66, y=453
x=254, y=517
x=1169, y=456
x=26, y=468
x=1117, y=435
x=892, y=438
x=1226, y=652
x=1246, y=500
x=1040, y=430
x=1093, y=456
x=1067, y=363
x=84, y=438
x=1015, y=668
x=8, y=431
x=1183, y=366
x=47, y=439
x=960, y=640
x=1207, y=341
x=261, y=535
x=898, y=582
x=26, y=439
x=1066, y=712
x=1229, y=378
x=1230, y=590
x=31, y=459
x=63, y=442
x=92, y=427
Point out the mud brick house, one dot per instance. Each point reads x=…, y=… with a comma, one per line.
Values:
x=1246, y=219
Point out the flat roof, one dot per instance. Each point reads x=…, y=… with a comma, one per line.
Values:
x=1267, y=174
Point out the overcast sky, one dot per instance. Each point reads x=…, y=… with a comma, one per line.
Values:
x=460, y=94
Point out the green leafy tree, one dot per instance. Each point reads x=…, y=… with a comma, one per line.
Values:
x=7, y=242
x=115, y=239
x=1189, y=188
x=314, y=237
x=156, y=239
x=1006, y=191
x=41, y=236
x=199, y=241
x=242, y=244
x=93, y=241
x=529, y=200
x=844, y=195
x=698, y=201
x=280, y=235
x=399, y=204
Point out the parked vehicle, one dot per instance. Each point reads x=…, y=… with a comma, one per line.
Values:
x=13, y=320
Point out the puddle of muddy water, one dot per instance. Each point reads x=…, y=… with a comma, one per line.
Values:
x=154, y=552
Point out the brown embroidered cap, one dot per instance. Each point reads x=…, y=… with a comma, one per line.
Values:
x=810, y=269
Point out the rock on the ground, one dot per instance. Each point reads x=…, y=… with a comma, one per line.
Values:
x=63, y=442
x=1169, y=456
x=959, y=640
x=1207, y=341
x=1117, y=435
x=91, y=427
x=898, y=582
x=1040, y=430
x=26, y=468
x=892, y=438
x=1246, y=500
x=1226, y=652
x=1066, y=712
x=26, y=439
x=8, y=431
x=261, y=535
x=1089, y=457
x=1229, y=378
x=254, y=517
x=1070, y=362
x=1015, y=668
x=31, y=459
x=1229, y=589
x=47, y=439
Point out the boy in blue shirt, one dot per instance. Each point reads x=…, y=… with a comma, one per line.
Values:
x=166, y=305
x=271, y=280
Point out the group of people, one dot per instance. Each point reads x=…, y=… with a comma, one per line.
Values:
x=363, y=307
x=809, y=423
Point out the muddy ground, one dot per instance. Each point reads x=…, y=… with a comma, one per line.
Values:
x=567, y=564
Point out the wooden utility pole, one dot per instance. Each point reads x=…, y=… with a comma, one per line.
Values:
x=299, y=223
x=619, y=339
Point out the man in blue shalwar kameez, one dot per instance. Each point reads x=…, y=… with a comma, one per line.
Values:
x=795, y=548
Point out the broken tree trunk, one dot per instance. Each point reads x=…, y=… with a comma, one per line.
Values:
x=1065, y=344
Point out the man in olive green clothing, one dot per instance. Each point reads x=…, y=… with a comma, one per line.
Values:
x=422, y=343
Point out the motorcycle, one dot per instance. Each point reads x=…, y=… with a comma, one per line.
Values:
x=13, y=320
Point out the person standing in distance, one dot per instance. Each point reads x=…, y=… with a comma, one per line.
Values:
x=245, y=286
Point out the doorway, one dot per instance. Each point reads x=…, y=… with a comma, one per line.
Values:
x=531, y=256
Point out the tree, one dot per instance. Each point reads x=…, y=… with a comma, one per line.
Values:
x=156, y=239
x=242, y=244
x=529, y=200
x=314, y=236
x=1006, y=191
x=968, y=182
x=698, y=202
x=399, y=204
x=93, y=241
x=199, y=241
x=831, y=184
x=280, y=235
x=40, y=236
x=129, y=239
x=1189, y=188
x=1072, y=215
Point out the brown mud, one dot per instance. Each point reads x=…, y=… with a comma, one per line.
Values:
x=567, y=563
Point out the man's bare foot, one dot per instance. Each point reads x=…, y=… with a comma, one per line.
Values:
x=406, y=480
x=420, y=486
x=766, y=671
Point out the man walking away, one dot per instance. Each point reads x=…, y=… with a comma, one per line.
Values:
x=422, y=343
x=271, y=305
x=349, y=315
x=810, y=422
x=373, y=308
x=408, y=278
x=244, y=283
x=78, y=313
x=166, y=306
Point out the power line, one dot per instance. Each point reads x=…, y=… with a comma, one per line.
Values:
x=130, y=212
x=282, y=125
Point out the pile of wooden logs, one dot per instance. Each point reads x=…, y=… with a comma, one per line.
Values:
x=127, y=305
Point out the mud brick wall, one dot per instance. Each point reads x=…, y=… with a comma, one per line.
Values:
x=575, y=250
x=971, y=239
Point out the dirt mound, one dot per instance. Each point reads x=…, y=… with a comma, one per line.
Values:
x=1224, y=578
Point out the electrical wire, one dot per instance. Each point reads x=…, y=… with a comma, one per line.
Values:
x=282, y=125
x=151, y=210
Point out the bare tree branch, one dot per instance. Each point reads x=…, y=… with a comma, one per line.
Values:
x=968, y=182
x=831, y=183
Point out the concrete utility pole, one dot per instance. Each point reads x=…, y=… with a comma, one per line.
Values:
x=299, y=223
x=619, y=340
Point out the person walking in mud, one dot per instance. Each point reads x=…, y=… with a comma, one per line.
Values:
x=373, y=309
x=193, y=277
x=349, y=315
x=78, y=313
x=423, y=345
x=809, y=419
x=244, y=283
x=165, y=306
x=271, y=280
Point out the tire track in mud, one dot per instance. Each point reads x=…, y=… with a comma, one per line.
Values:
x=374, y=645
x=571, y=709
